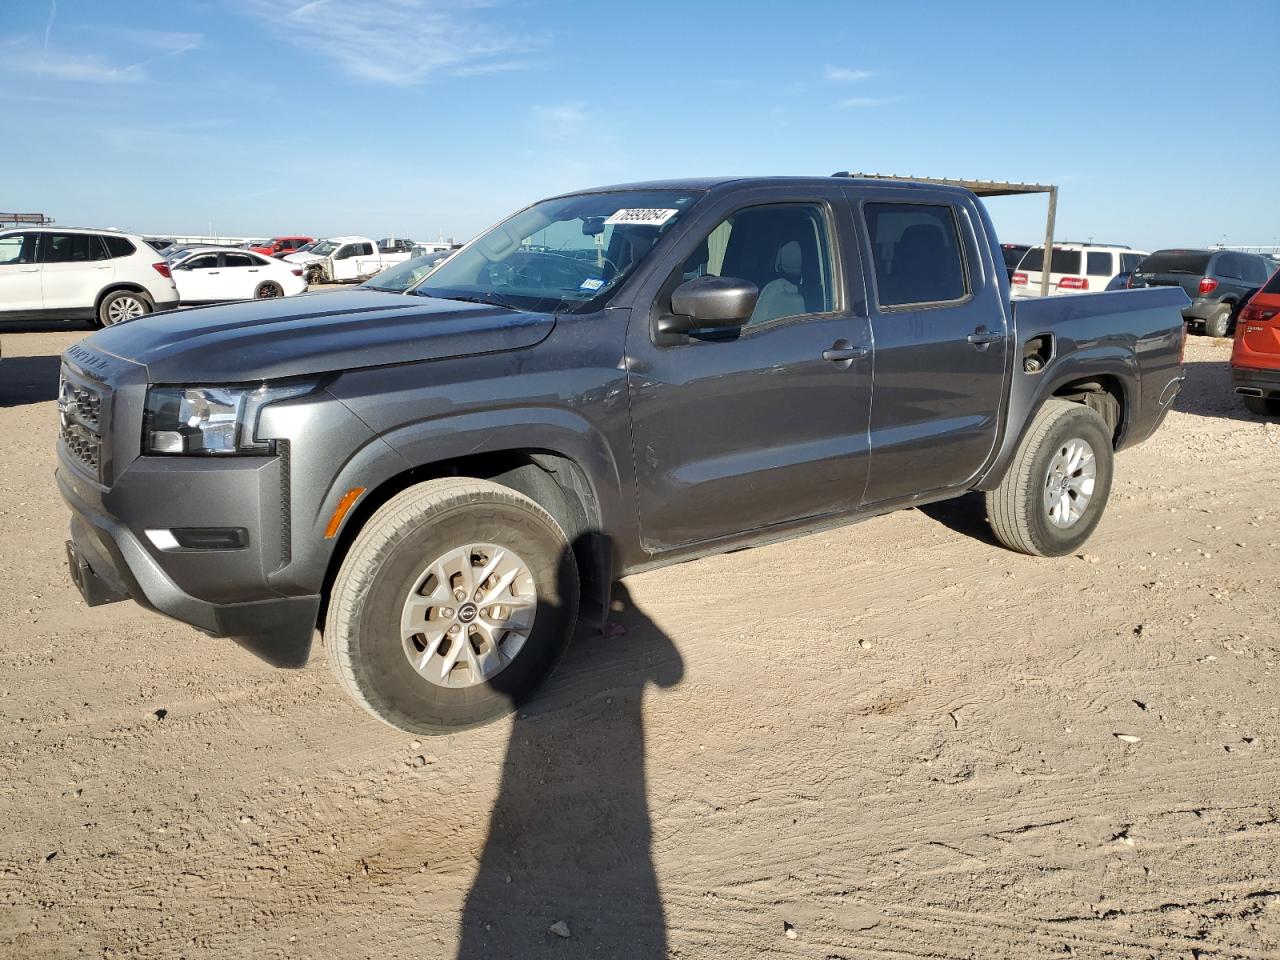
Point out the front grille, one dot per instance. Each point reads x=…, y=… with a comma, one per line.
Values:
x=86, y=447
x=86, y=403
x=80, y=408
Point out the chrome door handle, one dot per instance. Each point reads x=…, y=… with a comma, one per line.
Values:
x=29, y=270
x=844, y=352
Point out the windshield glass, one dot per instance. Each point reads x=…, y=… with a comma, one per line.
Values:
x=1175, y=261
x=323, y=248
x=563, y=254
x=404, y=275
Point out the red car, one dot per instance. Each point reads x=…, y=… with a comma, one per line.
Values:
x=1255, y=357
x=280, y=246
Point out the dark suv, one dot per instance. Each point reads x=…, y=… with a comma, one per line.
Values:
x=1217, y=281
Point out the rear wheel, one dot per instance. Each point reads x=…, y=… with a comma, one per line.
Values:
x=1218, y=324
x=1056, y=489
x=268, y=291
x=454, y=604
x=120, y=305
x=1262, y=406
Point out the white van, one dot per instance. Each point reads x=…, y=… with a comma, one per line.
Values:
x=1074, y=268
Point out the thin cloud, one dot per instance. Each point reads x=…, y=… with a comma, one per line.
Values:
x=854, y=103
x=48, y=26
x=398, y=42
x=845, y=75
x=562, y=121
x=18, y=54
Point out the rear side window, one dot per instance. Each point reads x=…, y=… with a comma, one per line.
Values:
x=118, y=247
x=1255, y=270
x=916, y=249
x=782, y=248
x=1099, y=264
x=239, y=260
x=364, y=250
x=72, y=248
x=1176, y=261
x=1227, y=266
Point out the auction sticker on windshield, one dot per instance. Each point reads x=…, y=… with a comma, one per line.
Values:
x=642, y=216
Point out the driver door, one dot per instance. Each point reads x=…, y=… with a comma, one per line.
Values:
x=768, y=426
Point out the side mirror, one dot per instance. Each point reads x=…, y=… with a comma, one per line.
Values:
x=710, y=303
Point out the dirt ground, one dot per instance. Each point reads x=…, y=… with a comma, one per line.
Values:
x=894, y=740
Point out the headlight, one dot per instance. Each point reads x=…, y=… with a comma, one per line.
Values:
x=211, y=420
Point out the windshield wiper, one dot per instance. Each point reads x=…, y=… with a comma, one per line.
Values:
x=490, y=300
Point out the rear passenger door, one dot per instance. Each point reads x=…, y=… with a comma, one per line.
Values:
x=940, y=328
x=241, y=274
x=74, y=270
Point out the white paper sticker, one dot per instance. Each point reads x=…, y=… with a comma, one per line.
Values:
x=591, y=283
x=642, y=216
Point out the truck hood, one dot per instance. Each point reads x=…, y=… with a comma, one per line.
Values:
x=302, y=257
x=315, y=333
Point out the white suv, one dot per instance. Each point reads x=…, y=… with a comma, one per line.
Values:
x=1075, y=268
x=96, y=275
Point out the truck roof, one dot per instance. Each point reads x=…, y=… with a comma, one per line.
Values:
x=716, y=183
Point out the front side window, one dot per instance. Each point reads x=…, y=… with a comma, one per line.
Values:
x=72, y=248
x=782, y=248
x=16, y=248
x=566, y=254
x=1098, y=264
x=916, y=249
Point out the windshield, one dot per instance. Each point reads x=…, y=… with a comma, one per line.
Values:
x=562, y=254
x=402, y=276
x=1175, y=261
x=323, y=248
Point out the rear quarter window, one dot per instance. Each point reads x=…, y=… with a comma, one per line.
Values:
x=118, y=247
x=1098, y=264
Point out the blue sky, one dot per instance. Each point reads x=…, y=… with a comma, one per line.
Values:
x=415, y=117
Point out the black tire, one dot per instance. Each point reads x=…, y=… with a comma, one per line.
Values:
x=1016, y=509
x=1219, y=325
x=119, y=305
x=362, y=631
x=268, y=290
x=1262, y=406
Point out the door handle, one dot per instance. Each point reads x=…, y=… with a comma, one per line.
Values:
x=29, y=270
x=983, y=338
x=843, y=352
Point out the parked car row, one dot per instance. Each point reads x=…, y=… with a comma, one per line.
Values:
x=1219, y=282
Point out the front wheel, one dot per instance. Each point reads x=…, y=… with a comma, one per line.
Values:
x=453, y=605
x=1055, y=491
x=121, y=305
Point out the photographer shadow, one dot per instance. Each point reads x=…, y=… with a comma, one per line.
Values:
x=569, y=836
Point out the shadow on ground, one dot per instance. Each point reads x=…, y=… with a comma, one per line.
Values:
x=28, y=380
x=569, y=836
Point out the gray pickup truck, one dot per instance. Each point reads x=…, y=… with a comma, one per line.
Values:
x=606, y=382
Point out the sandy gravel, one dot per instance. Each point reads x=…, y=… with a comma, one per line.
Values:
x=895, y=740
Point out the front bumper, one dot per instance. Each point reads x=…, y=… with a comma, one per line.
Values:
x=109, y=563
x=1198, y=311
